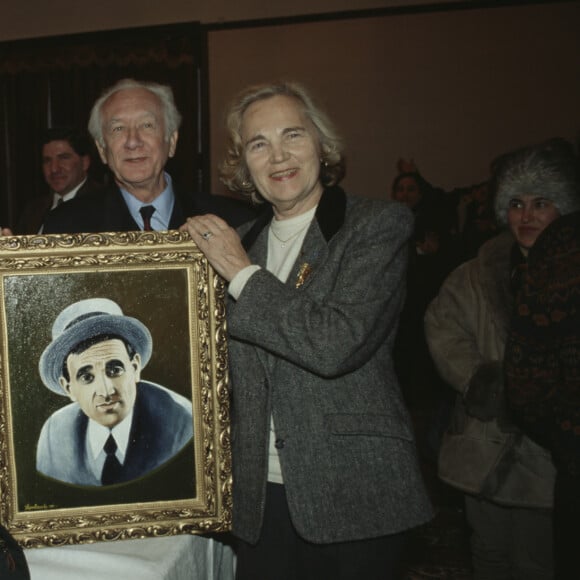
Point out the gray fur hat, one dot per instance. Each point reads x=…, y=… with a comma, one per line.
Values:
x=83, y=320
x=549, y=169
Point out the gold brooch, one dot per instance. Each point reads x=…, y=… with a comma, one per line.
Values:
x=305, y=271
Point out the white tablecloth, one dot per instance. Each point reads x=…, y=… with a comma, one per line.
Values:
x=182, y=557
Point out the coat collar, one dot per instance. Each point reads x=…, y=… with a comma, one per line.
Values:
x=118, y=217
x=330, y=215
x=328, y=219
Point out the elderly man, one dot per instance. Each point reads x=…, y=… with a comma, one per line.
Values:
x=65, y=163
x=117, y=427
x=135, y=126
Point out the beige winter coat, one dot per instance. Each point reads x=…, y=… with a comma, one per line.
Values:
x=467, y=325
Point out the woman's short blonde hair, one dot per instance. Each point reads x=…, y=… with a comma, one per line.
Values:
x=233, y=170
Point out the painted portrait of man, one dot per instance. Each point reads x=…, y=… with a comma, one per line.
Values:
x=117, y=426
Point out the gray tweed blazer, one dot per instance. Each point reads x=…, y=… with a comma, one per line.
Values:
x=315, y=353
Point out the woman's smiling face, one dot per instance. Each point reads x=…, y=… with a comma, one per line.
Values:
x=282, y=154
x=528, y=216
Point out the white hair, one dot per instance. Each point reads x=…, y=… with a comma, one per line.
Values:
x=172, y=117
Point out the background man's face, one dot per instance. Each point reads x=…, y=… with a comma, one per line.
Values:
x=63, y=167
x=103, y=381
x=136, y=148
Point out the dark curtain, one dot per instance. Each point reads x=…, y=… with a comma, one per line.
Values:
x=54, y=82
x=23, y=100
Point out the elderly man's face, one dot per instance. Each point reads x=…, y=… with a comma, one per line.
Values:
x=103, y=381
x=135, y=145
x=63, y=167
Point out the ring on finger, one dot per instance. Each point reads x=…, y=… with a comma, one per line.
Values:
x=207, y=235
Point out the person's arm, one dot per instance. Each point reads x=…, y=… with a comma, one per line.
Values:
x=451, y=328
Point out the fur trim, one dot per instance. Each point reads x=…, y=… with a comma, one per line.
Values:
x=549, y=170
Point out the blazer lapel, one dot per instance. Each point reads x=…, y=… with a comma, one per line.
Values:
x=117, y=217
x=262, y=221
x=177, y=215
x=78, y=443
x=258, y=253
x=329, y=218
x=331, y=211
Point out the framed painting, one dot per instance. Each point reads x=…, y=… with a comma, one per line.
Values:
x=114, y=413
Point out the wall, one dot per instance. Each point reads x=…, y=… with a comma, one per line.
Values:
x=451, y=89
x=71, y=16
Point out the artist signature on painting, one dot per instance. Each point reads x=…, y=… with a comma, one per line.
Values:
x=30, y=507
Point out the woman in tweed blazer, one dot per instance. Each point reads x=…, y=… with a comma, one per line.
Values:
x=325, y=470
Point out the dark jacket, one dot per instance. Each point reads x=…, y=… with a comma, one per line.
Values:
x=37, y=209
x=107, y=212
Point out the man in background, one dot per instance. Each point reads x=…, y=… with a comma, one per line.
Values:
x=65, y=163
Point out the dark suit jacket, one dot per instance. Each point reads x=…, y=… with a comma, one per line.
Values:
x=38, y=208
x=315, y=353
x=161, y=427
x=107, y=212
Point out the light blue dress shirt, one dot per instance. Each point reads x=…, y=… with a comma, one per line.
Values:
x=163, y=204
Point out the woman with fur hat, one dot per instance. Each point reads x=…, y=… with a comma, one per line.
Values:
x=542, y=364
x=507, y=478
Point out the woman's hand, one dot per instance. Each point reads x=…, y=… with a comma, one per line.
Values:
x=6, y=232
x=220, y=244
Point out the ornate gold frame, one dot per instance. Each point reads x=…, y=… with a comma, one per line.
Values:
x=102, y=257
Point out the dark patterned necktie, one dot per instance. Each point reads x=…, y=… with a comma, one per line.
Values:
x=112, y=467
x=146, y=212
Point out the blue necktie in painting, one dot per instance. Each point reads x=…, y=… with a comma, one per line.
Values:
x=112, y=467
x=146, y=212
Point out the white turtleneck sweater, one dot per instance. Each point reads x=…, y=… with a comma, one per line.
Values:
x=285, y=241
